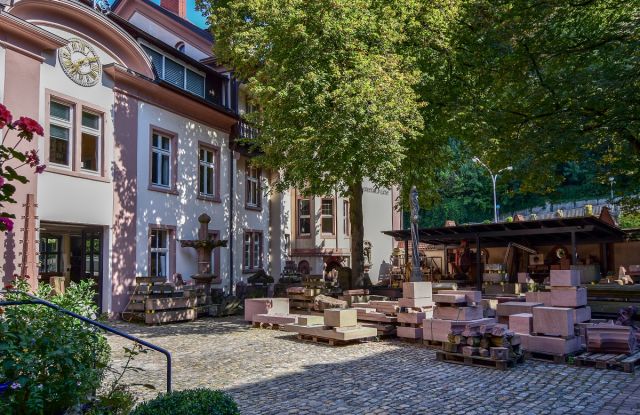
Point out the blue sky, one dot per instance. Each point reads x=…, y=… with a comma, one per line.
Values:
x=193, y=15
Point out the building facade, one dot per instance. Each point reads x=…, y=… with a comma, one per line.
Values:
x=141, y=126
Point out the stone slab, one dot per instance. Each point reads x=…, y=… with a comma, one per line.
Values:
x=568, y=297
x=409, y=332
x=539, y=297
x=553, y=321
x=415, y=302
x=472, y=296
x=412, y=318
x=550, y=345
x=450, y=298
x=311, y=320
x=276, y=318
x=458, y=313
x=581, y=314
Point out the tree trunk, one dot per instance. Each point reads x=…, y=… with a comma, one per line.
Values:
x=356, y=220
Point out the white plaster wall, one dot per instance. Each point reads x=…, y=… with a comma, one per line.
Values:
x=164, y=35
x=247, y=219
x=378, y=217
x=180, y=210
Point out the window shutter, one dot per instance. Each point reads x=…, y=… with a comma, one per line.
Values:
x=195, y=83
x=156, y=60
x=174, y=73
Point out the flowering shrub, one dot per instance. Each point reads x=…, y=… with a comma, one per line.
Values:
x=50, y=362
x=11, y=159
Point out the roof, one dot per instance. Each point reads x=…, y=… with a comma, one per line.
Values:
x=184, y=22
x=587, y=229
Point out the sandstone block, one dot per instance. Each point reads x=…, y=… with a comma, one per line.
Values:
x=521, y=323
x=417, y=290
x=340, y=318
x=568, y=297
x=565, y=277
x=553, y=321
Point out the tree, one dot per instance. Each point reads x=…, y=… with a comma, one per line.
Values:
x=337, y=91
x=543, y=83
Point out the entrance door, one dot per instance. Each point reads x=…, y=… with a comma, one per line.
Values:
x=86, y=260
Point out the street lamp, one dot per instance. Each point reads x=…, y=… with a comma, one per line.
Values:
x=494, y=177
x=612, y=181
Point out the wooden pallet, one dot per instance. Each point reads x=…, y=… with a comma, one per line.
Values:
x=622, y=362
x=272, y=326
x=548, y=357
x=477, y=361
x=330, y=342
x=433, y=344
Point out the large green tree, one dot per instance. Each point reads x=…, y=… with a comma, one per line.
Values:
x=540, y=83
x=337, y=90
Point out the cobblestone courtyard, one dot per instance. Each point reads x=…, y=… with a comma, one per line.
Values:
x=270, y=372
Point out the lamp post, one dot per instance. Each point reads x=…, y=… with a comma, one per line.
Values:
x=494, y=177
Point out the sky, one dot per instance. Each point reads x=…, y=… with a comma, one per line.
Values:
x=193, y=15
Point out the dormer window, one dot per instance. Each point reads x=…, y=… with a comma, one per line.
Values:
x=180, y=46
x=176, y=73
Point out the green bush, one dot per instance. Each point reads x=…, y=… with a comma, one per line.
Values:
x=189, y=402
x=50, y=362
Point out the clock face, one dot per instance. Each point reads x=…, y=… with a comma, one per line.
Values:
x=80, y=62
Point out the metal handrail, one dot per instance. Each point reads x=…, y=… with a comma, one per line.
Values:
x=38, y=301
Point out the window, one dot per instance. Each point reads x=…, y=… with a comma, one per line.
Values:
x=208, y=158
x=304, y=217
x=159, y=253
x=50, y=254
x=90, y=142
x=326, y=217
x=60, y=133
x=176, y=73
x=253, y=187
x=252, y=251
x=161, y=160
x=345, y=218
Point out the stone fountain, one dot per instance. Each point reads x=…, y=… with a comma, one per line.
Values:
x=203, y=246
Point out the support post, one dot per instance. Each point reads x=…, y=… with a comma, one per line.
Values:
x=605, y=259
x=479, y=267
x=574, y=250
x=406, y=252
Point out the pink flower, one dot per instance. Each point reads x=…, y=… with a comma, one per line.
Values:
x=1, y=181
x=28, y=127
x=40, y=168
x=6, y=223
x=5, y=116
x=32, y=158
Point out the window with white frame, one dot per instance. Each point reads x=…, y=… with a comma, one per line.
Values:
x=327, y=217
x=160, y=160
x=304, y=217
x=159, y=253
x=252, y=251
x=253, y=187
x=90, y=141
x=207, y=171
x=60, y=133
x=345, y=218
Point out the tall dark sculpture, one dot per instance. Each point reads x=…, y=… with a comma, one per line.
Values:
x=416, y=271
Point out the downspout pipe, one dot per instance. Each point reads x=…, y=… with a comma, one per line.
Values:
x=231, y=218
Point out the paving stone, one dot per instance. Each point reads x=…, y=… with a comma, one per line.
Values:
x=270, y=372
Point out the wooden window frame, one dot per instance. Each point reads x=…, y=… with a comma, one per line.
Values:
x=173, y=162
x=251, y=267
x=333, y=217
x=216, y=172
x=74, y=168
x=311, y=217
x=258, y=180
x=346, y=220
x=171, y=245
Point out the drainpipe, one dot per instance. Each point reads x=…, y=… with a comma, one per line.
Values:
x=232, y=156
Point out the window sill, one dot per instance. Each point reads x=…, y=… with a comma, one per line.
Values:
x=254, y=208
x=215, y=199
x=251, y=271
x=163, y=190
x=77, y=174
x=304, y=236
x=328, y=235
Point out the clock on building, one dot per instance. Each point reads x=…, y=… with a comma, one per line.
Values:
x=80, y=62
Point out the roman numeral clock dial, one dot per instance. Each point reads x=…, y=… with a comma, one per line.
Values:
x=80, y=62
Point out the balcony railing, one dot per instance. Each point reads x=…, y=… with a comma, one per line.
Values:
x=244, y=131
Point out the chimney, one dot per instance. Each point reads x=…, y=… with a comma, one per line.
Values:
x=178, y=7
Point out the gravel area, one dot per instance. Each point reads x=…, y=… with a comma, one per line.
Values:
x=271, y=372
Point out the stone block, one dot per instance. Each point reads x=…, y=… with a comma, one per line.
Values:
x=539, y=297
x=417, y=290
x=340, y=318
x=499, y=353
x=581, y=314
x=553, y=321
x=450, y=298
x=521, y=323
x=311, y=320
x=524, y=278
x=457, y=313
x=568, y=297
x=409, y=332
x=470, y=351
x=516, y=307
x=472, y=296
x=565, y=277
x=412, y=318
x=415, y=302
x=253, y=306
x=550, y=345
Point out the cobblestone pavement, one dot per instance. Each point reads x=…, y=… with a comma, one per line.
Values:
x=270, y=372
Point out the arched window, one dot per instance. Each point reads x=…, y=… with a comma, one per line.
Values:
x=180, y=46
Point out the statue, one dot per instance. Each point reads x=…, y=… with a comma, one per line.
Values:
x=367, y=252
x=416, y=271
